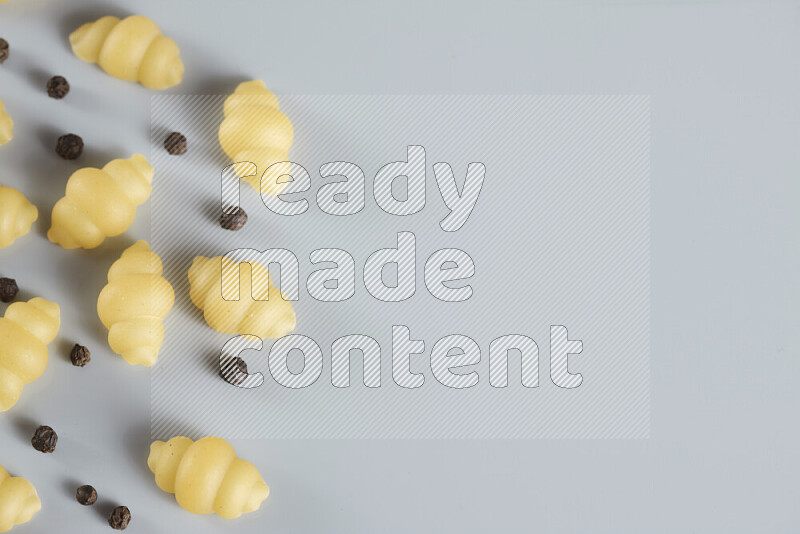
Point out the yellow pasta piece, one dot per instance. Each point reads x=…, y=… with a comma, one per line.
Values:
x=131, y=49
x=25, y=332
x=100, y=203
x=251, y=314
x=256, y=130
x=18, y=501
x=6, y=125
x=16, y=215
x=134, y=303
x=207, y=477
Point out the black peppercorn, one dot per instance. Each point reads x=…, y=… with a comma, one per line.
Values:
x=69, y=146
x=233, y=219
x=8, y=289
x=234, y=371
x=120, y=518
x=3, y=50
x=44, y=439
x=57, y=87
x=86, y=495
x=80, y=355
x=175, y=143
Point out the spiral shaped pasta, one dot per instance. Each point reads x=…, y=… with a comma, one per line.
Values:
x=256, y=130
x=18, y=501
x=16, y=215
x=134, y=303
x=207, y=477
x=100, y=203
x=6, y=125
x=271, y=318
x=25, y=332
x=132, y=49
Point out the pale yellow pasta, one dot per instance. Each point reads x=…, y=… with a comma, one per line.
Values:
x=100, y=203
x=256, y=130
x=134, y=303
x=207, y=477
x=18, y=500
x=131, y=49
x=251, y=314
x=6, y=125
x=25, y=332
x=16, y=215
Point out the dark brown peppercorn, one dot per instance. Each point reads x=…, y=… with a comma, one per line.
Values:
x=8, y=289
x=3, y=50
x=120, y=518
x=234, y=371
x=86, y=495
x=44, y=439
x=69, y=146
x=80, y=355
x=175, y=143
x=57, y=87
x=233, y=219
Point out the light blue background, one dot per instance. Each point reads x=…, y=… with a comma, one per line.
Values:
x=723, y=453
x=559, y=236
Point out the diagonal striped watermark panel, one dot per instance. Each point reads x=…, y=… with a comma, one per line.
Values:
x=555, y=251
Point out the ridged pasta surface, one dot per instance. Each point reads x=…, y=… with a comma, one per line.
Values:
x=6, y=125
x=251, y=314
x=256, y=130
x=100, y=203
x=206, y=476
x=17, y=215
x=131, y=49
x=25, y=332
x=134, y=304
x=19, y=501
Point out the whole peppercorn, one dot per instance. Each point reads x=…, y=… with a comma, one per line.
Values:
x=80, y=355
x=86, y=495
x=3, y=50
x=175, y=143
x=233, y=219
x=120, y=518
x=69, y=146
x=57, y=87
x=44, y=439
x=8, y=289
x=234, y=371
